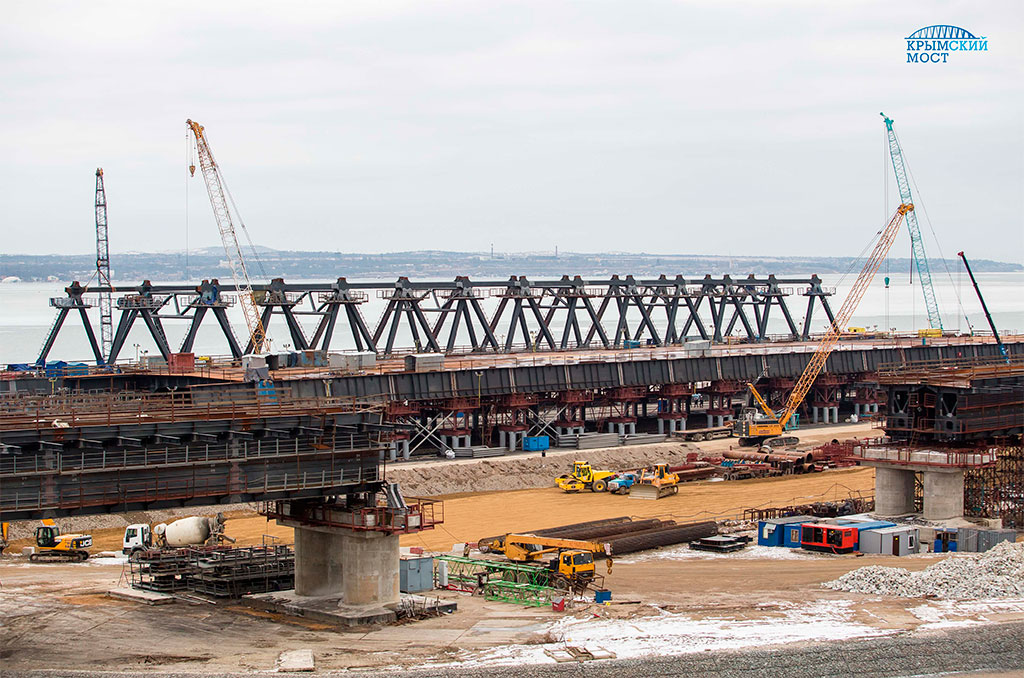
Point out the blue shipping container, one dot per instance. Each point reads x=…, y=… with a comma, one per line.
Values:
x=791, y=536
x=771, y=532
x=535, y=443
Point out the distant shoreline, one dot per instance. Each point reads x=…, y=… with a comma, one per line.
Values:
x=426, y=265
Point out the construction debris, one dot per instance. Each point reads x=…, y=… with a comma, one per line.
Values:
x=998, y=573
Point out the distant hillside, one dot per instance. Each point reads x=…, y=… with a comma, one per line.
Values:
x=424, y=265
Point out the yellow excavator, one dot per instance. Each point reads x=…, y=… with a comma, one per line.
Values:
x=756, y=430
x=4, y=531
x=52, y=546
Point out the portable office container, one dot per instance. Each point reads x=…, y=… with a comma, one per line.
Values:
x=424, y=362
x=791, y=535
x=989, y=538
x=771, y=532
x=898, y=540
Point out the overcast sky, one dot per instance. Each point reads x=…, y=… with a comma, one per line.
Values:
x=683, y=127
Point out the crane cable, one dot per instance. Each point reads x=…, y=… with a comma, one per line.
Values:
x=935, y=237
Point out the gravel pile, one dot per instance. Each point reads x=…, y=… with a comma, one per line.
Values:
x=998, y=573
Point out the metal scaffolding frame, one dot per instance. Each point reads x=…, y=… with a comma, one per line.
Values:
x=564, y=314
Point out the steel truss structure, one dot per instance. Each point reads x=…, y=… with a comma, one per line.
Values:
x=465, y=315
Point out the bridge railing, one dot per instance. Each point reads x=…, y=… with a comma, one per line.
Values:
x=127, y=459
x=86, y=494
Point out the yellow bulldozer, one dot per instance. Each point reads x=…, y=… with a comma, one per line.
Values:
x=583, y=477
x=654, y=483
x=52, y=546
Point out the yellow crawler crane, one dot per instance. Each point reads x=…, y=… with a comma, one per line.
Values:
x=755, y=430
x=52, y=546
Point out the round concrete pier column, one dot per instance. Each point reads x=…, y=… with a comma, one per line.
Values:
x=943, y=494
x=371, y=568
x=894, y=491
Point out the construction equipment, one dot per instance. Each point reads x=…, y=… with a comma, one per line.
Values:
x=5, y=529
x=754, y=430
x=52, y=546
x=571, y=568
x=984, y=307
x=583, y=477
x=655, y=482
x=621, y=483
x=191, y=531
x=103, y=270
x=916, y=241
x=216, y=187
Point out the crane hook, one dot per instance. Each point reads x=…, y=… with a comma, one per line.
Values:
x=192, y=170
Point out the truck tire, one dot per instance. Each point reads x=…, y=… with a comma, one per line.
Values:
x=599, y=485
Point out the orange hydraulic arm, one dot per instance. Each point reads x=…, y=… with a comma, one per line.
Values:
x=827, y=343
x=760, y=401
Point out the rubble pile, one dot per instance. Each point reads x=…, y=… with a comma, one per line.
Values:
x=998, y=573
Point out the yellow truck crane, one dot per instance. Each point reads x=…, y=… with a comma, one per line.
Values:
x=756, y=430
x=583, y=477
x=572, y=567
x=52, y=546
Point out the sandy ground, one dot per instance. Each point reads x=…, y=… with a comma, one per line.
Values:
x=667, y=601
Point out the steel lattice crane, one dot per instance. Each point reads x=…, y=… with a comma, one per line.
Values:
x=103, y=269
x=219, y=201
x=756, y=430
x=924, y=273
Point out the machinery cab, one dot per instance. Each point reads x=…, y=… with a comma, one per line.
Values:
x=47, y=536
x=582, y=471
x=659, y=475
x=138, y=537
x=574, y=564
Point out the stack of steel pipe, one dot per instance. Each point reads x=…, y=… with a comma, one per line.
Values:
x=776, y=458
x=675, y=534
x=562, y=530
x=696, y=473
x=603, y=532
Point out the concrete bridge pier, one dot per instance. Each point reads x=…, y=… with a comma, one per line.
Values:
x=361, y=568
x=943, y=494
x=894, y=491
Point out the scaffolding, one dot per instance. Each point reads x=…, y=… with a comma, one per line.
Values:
x=222, y=572
x=997, y=491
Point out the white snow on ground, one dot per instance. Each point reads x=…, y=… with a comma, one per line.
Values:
x=752, y=552
x=939, y=614
x=678, y=634
x=108, y=560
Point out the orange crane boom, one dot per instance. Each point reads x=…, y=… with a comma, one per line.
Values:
x=769, y=428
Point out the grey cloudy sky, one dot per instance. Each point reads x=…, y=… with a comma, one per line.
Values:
x=684, y=127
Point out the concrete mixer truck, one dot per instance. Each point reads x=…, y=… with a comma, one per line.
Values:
x=192, y=531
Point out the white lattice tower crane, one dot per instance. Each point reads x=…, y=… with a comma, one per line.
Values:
x=219, y=201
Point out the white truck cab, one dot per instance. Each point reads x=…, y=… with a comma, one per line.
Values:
x=137, y=537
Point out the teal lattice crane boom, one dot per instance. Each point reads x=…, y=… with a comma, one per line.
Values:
x=924, y=273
